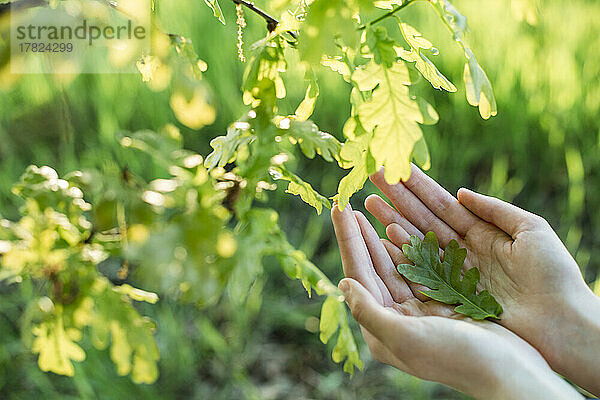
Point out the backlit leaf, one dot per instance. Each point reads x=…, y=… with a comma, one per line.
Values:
x=313, y=141
x=225, y=147
x=303, y=189
x=56, y=347
x=325, y=21
x=382, y=46
x=137, y=294
x=429, y=71
x=195, y=111
x=392, y=115
x=478, y=87
x=266, y=62
x=355, y=154
x=307, y=106
x=216, y=9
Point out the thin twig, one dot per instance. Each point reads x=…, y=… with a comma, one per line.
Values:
x=387, y=14
x=271, y=22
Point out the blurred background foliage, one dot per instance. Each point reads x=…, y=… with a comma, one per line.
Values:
x=541, y=152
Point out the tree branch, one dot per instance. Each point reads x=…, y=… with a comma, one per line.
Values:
x=271, y=22
x=20, y=5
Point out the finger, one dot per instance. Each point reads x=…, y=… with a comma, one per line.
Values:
x=414, y=210
x=383, y=323
x=511, y=219
x=381, y=352
x=398, y=257
x=442, y=203
x=407, y=338
x=382, y=262
x=356, y=261
x=387, y=215
x=398, y=236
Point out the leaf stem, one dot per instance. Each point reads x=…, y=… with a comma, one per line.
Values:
x=387, y=15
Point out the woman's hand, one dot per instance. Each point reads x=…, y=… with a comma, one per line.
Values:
x=426, y=338
x=522, y=262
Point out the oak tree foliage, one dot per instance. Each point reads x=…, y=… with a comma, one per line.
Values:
x=199, y=232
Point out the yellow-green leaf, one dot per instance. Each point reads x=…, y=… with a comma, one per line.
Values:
x=137, y=294
x=303, y=189
x=120, y=350
x=216, y=9
x=355, y=154
x=307, y=106
x=392, y=115
x=429, y=71
x=311, y=140
x=478, y=86
x=325, y=21
x=56, y=347
x=329, y=318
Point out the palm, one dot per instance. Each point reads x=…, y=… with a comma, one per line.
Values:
x=522, y=261
x=371, y=262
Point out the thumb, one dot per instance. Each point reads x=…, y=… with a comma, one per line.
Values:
x=382, y=323
x=510, y=218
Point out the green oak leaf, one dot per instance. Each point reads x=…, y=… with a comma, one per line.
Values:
x=355, y=154
x=307, y=106
x=427, y=69
x=382, y=46
x=185, y=48
x=133, y=347
x=421, y=154
x=333, y=315
x=225, y=147
x=312, y=141
x=444, y=277
x=216, y=9
x=387, y=4
x=301, y=188
x=325, y=21
x=43, y=185
x=430, y=116
x=478, y=87
x=266, y=62
x=336, y=64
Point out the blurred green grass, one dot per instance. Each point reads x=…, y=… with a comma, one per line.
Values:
x=542, y=152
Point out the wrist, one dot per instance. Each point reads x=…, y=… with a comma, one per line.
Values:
x=519, y=379
x=576, y=349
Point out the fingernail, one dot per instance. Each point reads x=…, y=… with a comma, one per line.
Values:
x=344, y=286
x=462, y=189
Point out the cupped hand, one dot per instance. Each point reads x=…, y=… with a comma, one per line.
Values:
x=426, y=338
x=522, y=262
